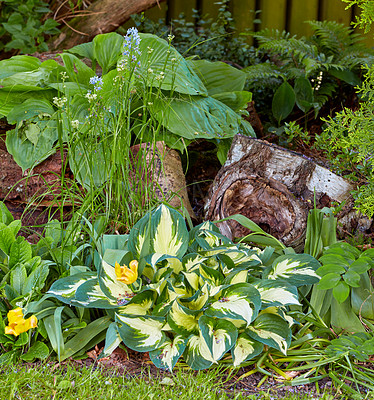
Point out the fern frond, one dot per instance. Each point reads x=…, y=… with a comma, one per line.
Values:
x=262, y=71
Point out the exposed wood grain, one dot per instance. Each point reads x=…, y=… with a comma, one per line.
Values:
x=104, y=16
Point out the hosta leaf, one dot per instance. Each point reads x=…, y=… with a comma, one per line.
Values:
x=240, y=301
x=90, y=295
x=112, y=340
x=235, y=100
x=169, y=233
x=167, y=355
x=220, y=335
x=245, y=349
x=28, y=109
x=211, y=275
x=183, y=320
x=296, y=269
x=197, y=354
x=272, y=330
x=64, y=289
x=198, y=300
x=141, y=333
x=275, y=293
x=140, y=304
x=111, y=287
x=196, y=117
x=192, y=261
x=107, y=49
x=219, y=77
x=178, y=75
x=18, y=64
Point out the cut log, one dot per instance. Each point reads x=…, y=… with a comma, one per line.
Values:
x=275, y=188
x=103, y=16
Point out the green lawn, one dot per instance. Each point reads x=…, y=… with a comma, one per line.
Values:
x=68, y=383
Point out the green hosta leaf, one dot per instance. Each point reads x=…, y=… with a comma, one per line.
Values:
x=211, y=275
x=178, y=75
x=76, y=69
x=83, y=50
x=107, y=49
x=245, y=349
x=329, y=281
x=296, y=269
x=64, y=289
x=240, y=301
x=198, y=300
x=18, y=64
x=272, y=330
x=220, y=335
x=20, y=252
x=277, y=294
x=169, y=233
x=235, y=100
x=112, y=340
x=141, y=333
x=167, y=355
x=183, y=320
x=341, y=291
x=196, y=117
x=219, y=77
x=28, y=109
x=197, y=354
x=283, y=101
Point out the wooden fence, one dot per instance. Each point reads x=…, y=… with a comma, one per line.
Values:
x=279, y=14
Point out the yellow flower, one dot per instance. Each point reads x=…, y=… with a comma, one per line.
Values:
x=126, y=274
x=17, y=324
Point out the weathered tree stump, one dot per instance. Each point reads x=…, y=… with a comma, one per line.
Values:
x=275, y=188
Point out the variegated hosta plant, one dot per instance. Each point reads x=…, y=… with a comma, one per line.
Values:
x=197, y=294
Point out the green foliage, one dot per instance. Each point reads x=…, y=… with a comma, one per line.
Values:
x=22, y=27
x=359, y=346
x=314, y=66
x=198, y=294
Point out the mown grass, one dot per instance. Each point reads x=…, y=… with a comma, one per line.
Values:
x=68, y=383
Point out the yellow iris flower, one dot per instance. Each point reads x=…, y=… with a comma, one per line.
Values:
x=17, y=324
x=126, y=274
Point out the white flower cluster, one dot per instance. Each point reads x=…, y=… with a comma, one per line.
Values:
x=75, y=124
x=319, y=81
x=60, y=101
x=91, y=96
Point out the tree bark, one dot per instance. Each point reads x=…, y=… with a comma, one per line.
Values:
x=275, y=188
x=103, y=16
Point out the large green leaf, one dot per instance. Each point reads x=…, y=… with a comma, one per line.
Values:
x=178, y=75
x=76, y=69
x=37, y=278
x=112, y=340
x=167, y=355
x=84, y=50
x=283, y=101
x=235, y=100
x=7, y=238
x=245, y=349
x=219, y=77
x=90, y=295
x=272, y=330
x=18, y=64
x=17, y=278
x=20, y=252
x=140, y=304
x=303, y=93
x=220, y=335
x=295, y=269
x=141, y=333
x=196, y=117
x=241, y=301
x=107, y=49
x=28, y=109
x=25, y=153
